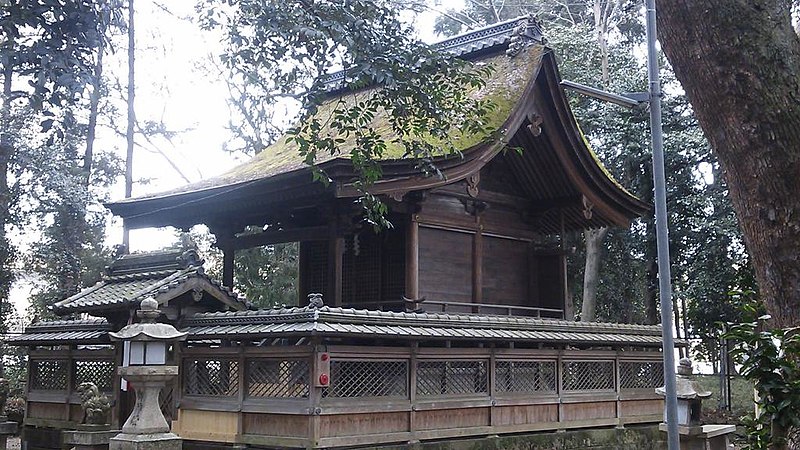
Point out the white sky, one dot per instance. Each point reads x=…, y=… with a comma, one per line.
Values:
x=176, y=84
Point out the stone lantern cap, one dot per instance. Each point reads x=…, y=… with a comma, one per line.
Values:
x=686, y=388
x=148, y=329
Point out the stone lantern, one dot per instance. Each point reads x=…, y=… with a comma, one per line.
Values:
x=690, y=395
x=148, y=342
x=693, y=435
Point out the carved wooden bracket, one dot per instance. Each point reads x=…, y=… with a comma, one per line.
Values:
x=535, y=125
x=472, y=184
x=397, y=195
x=587, y=207
x=474, y=207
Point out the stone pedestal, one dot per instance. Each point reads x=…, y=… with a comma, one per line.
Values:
x=704, y=437
x=7, y=429
x=154, y=441
x=95, y=437
x=146, y=428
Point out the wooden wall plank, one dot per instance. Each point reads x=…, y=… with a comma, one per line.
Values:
x=588, y=411
x=526, y=414
x=363, y=424
x=216, y=426
x=633, y=408
x=284, y=425
x=452, y=418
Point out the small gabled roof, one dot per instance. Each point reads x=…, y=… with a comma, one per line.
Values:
x=56, y=332
x=163, y=275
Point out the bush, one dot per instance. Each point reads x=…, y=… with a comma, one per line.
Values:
x=15, y=409
x=770, y=358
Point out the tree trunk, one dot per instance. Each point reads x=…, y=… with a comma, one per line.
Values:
x=739, y=62
x=94, y=104
x=591, y=278
x=6, y=150
x=131, y=118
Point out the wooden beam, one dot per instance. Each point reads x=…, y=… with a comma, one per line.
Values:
x=269, y=237
x=227, y=267
x=477, y=265
x=335, y=257
x=412, y=259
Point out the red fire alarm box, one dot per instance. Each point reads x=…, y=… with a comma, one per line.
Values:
x=322, y=368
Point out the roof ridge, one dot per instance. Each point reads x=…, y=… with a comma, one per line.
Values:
x=163, y=282
x=467, y=43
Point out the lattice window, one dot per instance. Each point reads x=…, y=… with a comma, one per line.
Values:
x=97, y=371
x=217, y=377
x=315, y=266
x=641, y=374
x=525, y=376
x=361, y=269
x=368, y=379
x=451, y=378
x=588, y=375
x=393, y=265
x=48, y=375
x=277, y=378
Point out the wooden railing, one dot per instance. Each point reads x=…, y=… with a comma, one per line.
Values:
x=270, y=396
x=54, y=376
x=433, y=306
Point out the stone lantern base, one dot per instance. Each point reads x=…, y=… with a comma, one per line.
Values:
x=704, y=437
x=89, y=437
x=7, y=429
x=155, y=441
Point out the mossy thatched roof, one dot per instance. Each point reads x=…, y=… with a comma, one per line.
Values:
x=504, y=88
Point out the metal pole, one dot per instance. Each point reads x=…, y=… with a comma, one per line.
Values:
x=664, y=284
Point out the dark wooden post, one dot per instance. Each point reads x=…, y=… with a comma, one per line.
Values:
x=412, y=259
x=477, y=266
x=336, y=253
x=225, y=242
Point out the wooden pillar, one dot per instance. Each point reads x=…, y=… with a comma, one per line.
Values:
x=335, y=253
x=227, y=267
x=70, y=380
x=564, y=280
x=477, y=266
x=225, y=240
x=412, y=259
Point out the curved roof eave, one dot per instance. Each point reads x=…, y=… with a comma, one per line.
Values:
x=597, y=184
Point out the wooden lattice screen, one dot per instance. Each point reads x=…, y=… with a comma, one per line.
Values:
x=373, y=269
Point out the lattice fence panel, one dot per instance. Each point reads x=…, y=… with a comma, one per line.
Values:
x=451, y=378
x=525, y=376
x=277, y=378
x=361, y=269
x=97, y=371
x=641, y=374
x=215, y=377
x=588, y=375
x=368, y=379
x=48, y=375
x=166, y=400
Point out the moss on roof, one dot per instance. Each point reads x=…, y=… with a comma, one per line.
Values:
x=504, y=87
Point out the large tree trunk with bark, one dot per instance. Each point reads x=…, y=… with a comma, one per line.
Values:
x=739, y=62
x=6, y=150
x=591, y=279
